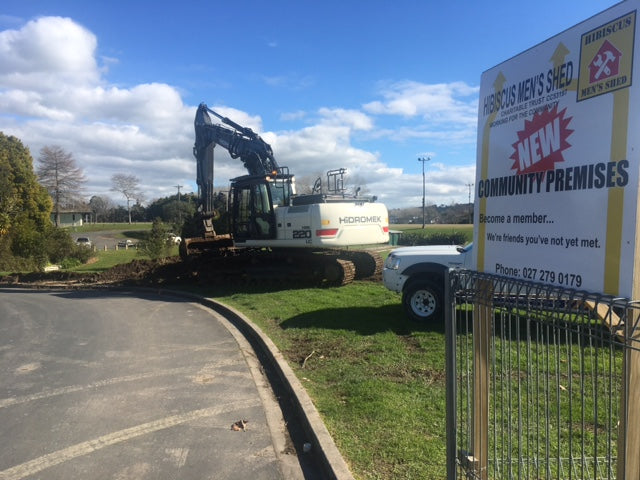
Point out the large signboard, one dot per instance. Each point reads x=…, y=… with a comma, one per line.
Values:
x=557, y=161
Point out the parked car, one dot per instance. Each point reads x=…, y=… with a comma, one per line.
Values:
x=84, y=242
x=418, y=273
x=125, y=243
x=173, y=238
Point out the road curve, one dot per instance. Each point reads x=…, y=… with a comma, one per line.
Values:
x=125, y=384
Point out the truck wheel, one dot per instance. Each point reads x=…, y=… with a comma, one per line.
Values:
x=422, y=301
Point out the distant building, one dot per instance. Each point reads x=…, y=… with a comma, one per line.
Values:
x=73, y=217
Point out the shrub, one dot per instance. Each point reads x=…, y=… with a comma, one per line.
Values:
x=436, y=238
x=59, y=245
x=69, y=263
x=155, y=245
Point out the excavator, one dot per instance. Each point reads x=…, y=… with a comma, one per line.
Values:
x=273, y=232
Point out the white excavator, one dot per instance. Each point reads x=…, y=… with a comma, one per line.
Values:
x=321, y=236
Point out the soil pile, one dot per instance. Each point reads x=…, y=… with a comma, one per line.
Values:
x=136, y=272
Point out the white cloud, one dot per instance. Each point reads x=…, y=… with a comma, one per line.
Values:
x=290, y=116
x=441, y=103
x=444, y=184
x=52, y=92
x=56, y=47
x=352, y=118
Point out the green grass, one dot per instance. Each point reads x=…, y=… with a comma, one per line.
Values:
x=104, y=260
x=378, y=380
x=467, y=229
x=101, y=227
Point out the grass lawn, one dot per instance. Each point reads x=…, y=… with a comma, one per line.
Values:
x=434, y=228
x=101, y=227
x=104, y=260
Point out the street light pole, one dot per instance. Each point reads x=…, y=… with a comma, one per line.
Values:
x=470, y=209
x=423, y=160
x=179, y=209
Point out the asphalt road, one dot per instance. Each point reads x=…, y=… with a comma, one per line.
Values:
x=114, y=385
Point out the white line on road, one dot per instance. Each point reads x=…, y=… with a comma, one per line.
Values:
x=6, y=402
x=46, y=461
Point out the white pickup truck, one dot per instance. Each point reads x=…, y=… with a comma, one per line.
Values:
x=418, y=273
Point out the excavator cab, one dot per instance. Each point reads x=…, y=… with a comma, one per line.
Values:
x=254, y=200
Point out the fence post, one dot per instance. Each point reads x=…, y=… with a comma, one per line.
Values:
x=451, y=375
x=481, y=341
x=629, y=428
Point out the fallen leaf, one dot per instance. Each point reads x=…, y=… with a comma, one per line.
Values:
x=240, y=425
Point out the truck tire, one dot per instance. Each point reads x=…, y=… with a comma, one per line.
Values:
x=422, y=301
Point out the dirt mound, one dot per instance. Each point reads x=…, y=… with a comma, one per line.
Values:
x=136, y=272
x=46, y=277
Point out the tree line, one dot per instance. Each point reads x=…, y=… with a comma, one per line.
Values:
x=57, y=171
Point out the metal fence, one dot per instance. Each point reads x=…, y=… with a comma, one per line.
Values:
x=541, y=381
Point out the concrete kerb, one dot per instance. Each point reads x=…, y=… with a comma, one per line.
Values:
x=322, y=444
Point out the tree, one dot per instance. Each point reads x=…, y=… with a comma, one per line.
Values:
x=174, y=209
x=127, y=185
x=304, y=184
x=138, y=212
x=25, y=206
x=58, y=173
x=155, y=245
x=100, y=207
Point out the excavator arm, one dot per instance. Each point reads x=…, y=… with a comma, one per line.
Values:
x=241, y=142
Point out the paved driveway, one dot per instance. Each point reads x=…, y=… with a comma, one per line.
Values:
x=98, y=384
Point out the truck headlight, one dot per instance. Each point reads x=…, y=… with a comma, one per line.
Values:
x=392, y=262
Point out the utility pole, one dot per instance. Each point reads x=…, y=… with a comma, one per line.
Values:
x=423, y=160
x=179, y=209
x=470, y=209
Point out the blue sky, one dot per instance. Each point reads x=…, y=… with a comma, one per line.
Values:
x=367, y=85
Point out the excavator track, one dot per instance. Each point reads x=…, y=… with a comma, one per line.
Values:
x=338, y=272
x=284, y=267
x=368, y=264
